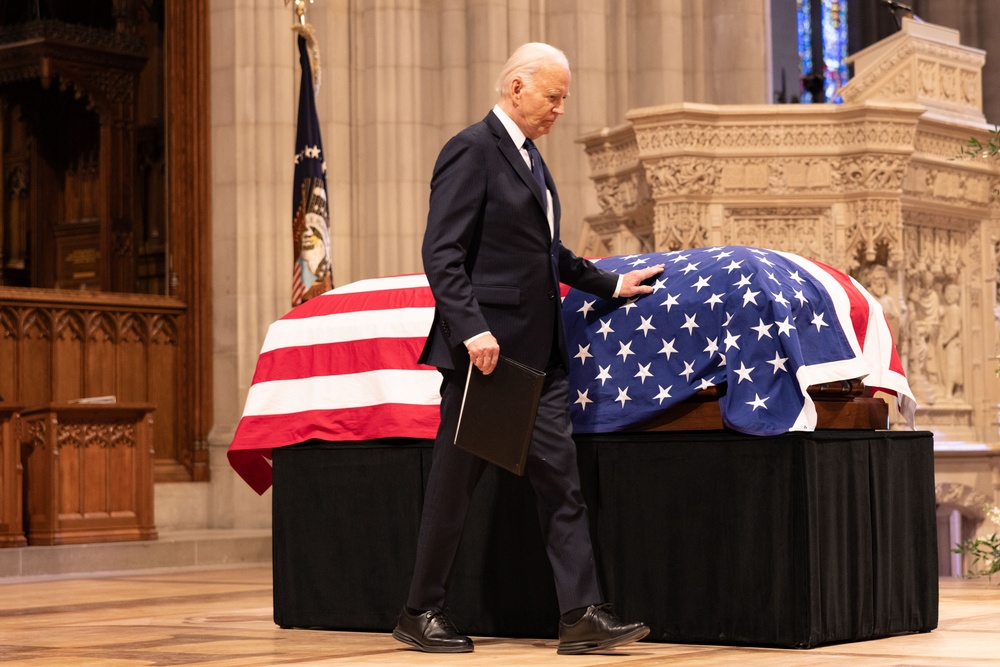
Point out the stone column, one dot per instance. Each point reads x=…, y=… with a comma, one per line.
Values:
x=254, y=77
x=390, y=91
x=736, y=52
x=331, y=20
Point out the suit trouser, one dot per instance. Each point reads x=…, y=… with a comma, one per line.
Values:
x=555, y=478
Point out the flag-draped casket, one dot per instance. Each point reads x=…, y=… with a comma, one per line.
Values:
x=760, y=326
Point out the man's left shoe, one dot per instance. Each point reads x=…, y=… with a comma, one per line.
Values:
x=598, y=629
x=430, y=631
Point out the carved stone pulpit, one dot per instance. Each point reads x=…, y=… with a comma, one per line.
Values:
x=922, y=63
x=873, y=187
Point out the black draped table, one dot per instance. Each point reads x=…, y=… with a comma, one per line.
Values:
x=714, y=537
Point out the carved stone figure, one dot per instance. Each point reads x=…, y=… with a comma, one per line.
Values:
x=876, y=280
x=925, y=318
x=950, y=334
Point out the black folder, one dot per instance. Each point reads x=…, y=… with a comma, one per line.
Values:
x=498, y=413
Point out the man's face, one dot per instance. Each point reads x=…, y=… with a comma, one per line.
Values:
x=538, y=104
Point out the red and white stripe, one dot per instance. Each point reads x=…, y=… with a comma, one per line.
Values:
x=298, y=289
x=862, y=319
x=341, y=366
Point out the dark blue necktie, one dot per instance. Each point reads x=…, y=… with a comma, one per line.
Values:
x=536, y=167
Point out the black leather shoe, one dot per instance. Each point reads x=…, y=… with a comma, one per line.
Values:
x=598, y=629
x=431, y=632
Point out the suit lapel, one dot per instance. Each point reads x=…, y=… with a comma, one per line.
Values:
x=513, y=155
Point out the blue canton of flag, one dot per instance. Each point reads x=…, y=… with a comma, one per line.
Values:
x=311, y=270
x=760, y=325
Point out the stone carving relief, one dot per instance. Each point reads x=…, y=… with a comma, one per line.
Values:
x=746, y=175
x=921, y=356
x=898, y=88
x=613, y=156
x=871, y=172
x=680, y=225
x=807, y=231
x=869, y=134
x=877, y=279
x=938, y=145
x=799, y=174
x=949, y=185
x=874, y=224
x=863, y=82
x=683, y=176
x=952, y=87
x=970, y=89
x=620, y=195
x=927, y=73
x=932, y=346
x=940, y=244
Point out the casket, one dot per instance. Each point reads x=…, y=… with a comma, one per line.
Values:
x=757, y=341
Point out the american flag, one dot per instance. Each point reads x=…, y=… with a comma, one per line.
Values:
x=342, y=366
x=765, y=324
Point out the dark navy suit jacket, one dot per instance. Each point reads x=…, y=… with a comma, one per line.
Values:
x=489, y=256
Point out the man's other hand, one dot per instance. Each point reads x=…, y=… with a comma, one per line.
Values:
x=484, y=352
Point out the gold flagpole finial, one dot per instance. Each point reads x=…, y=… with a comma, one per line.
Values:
x=300, y=9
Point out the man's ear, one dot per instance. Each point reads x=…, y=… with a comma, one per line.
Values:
x=516, y=88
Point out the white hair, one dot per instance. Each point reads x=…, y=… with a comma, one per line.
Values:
x=525, y=61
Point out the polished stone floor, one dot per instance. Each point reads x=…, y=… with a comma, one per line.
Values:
x=222, y=617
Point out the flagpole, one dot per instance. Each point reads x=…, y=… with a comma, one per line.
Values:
x=311, y=267
x=299, y=9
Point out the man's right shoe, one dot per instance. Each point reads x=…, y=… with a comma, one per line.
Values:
x=431, y=632
x=599, y=629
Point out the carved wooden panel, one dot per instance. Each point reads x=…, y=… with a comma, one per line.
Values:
x=127, y=347
x=88, y=473
x=11, y=477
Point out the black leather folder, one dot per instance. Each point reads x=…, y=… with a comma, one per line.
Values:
x=498, y=413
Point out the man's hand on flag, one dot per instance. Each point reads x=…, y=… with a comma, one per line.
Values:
x=632, y=281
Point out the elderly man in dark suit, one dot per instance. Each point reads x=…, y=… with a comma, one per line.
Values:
x=494, y=261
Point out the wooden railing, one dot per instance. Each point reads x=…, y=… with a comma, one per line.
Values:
x=60, y=345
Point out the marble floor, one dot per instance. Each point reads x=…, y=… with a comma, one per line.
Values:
x=222, y=617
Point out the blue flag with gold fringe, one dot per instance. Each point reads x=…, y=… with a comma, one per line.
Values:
x=311, y=271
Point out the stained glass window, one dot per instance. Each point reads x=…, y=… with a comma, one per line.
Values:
x=831, y=43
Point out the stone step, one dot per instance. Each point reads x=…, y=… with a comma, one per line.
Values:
x=173, y=550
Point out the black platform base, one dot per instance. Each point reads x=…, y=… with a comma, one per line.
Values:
x=708, y=537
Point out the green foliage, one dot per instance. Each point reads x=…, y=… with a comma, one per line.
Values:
x=975, y=148
x=984, y=551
